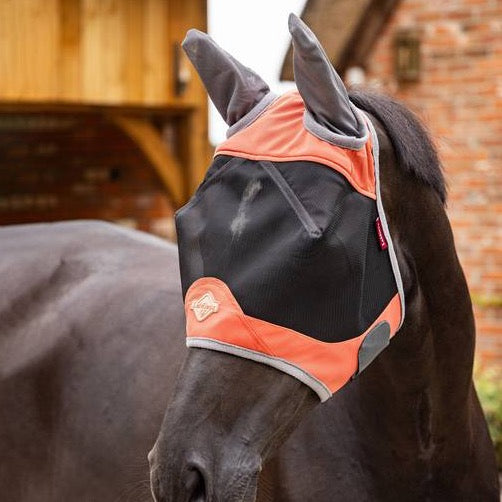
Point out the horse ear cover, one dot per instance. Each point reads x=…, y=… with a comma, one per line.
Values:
x=234, y=89
x=285, y=253
x=320, y=86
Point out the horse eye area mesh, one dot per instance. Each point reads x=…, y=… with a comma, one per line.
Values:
x=282, y=257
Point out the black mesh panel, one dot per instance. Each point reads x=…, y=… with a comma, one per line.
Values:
x=295, y=243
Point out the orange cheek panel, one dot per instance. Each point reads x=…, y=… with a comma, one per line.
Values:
x=215, y=320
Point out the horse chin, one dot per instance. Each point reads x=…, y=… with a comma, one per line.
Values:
x=226, y=416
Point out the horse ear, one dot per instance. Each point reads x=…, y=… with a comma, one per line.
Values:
x=233, y=88
x=320, y=86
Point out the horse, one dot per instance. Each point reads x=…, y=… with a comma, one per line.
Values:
x=410, y=426
x=91, y=340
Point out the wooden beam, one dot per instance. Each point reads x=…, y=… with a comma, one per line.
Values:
x=171, y=109
x=333, y=24
x=363, y=39
x=150, y=143
x=347, y=29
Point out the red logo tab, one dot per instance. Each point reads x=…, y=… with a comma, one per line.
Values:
x=381, y=236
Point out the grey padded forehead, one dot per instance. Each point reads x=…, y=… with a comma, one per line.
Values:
x=233, y=88
x=320, y=86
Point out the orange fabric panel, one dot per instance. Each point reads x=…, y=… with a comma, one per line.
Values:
x=331, y=363
x=279, y=135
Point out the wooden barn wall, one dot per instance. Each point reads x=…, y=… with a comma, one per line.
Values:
x=94, y=51
x=106, y=52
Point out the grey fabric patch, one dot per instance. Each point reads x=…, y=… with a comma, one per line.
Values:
x=321, y=88
x=276, y=362
x=302, y=214
x=252, y=115
x=233, y=88
x=349, y=142
x=374, y=342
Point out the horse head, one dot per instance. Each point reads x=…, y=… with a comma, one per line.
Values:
x=293, y=284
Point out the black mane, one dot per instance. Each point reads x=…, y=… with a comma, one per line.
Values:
x=414, y=150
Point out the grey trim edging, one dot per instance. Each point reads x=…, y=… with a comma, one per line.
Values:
x=350, y=142
x=276, y=362
x=253, y=114
x=383, y=220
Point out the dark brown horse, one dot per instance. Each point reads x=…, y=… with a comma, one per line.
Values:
x=91, y=338
x=410, y=428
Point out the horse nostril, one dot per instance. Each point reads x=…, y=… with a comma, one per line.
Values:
x=195, y=485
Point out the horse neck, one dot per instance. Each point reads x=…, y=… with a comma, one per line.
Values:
x=424, y=378
x=440, y=323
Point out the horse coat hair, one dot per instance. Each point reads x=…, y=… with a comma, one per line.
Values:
x=285, y=253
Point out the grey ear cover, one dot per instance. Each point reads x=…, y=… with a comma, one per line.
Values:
x=320, y=86
x=233, y=88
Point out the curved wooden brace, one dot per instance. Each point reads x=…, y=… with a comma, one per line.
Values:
x=148, y=140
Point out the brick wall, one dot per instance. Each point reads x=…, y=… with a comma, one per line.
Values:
x=63, y=166
x=459, y=96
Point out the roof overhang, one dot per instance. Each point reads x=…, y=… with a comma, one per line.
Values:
x=347, y=29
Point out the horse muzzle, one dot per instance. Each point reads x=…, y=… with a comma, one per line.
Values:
x=226, y=413
x=197, y=476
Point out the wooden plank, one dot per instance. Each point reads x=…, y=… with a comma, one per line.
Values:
x=149, y=141
x=42, y=53
x=133, y=62
x=70, y=86
x=29, y=40
x=192, y=14
x=92, y=52
x=103, y=51
x=8, y=66
x=157, y=72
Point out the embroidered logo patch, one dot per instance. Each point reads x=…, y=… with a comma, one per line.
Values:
x=204, y=306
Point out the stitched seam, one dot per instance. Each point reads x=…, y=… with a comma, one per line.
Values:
x=313, y=158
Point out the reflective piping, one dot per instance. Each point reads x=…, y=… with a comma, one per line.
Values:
x=276, y=362
x=253, y=114
x=383, y=219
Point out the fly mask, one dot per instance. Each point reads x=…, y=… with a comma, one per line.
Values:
x=285, y=253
